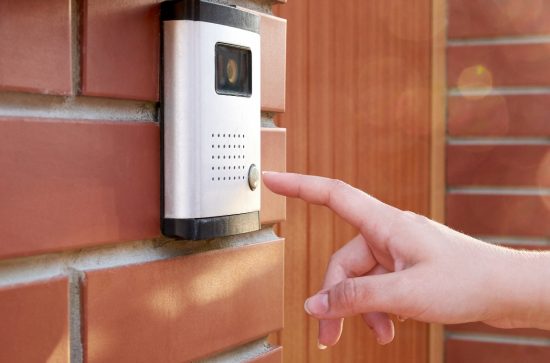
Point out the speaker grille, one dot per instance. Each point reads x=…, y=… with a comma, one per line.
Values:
x=228, y=157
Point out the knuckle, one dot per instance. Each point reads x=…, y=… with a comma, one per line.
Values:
x=413, y=217
x=403, y=224
x=409, y=214
x=349, y=295
x=333, y=262
x=333, y=266
x=336, y=185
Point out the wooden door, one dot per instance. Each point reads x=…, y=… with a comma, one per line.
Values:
x=358, y=109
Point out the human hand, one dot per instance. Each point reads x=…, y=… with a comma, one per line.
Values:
x=404, y=264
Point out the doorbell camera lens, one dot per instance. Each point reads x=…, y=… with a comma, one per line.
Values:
x=233, y=70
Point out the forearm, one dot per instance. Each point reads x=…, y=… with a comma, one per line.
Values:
x=525, y=292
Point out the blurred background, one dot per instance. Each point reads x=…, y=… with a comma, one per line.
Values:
x=441, y=107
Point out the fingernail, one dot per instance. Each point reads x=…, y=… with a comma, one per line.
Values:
x=317, y=304
x=269, y=172
x=380, y=341
x=306, y=308
x=321, y=346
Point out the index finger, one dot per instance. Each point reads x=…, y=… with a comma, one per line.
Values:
x=371, y=216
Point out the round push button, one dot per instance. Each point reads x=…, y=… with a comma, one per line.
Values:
x=253, y=177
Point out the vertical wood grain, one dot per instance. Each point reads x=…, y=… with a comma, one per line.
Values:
x=295, y=119
x=344, y=125
x=438, y=133
x=321, y=71
x=358, y=109
x=439, y=100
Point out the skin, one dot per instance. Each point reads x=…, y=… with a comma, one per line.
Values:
x=407, y=265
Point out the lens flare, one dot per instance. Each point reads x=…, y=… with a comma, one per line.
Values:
x=476, y=77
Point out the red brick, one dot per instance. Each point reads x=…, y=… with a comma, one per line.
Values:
x=35, y=322
x=502, y=165
x=498, y=65
x=72, y=184
x=184, y=308
x=499, y=215
x=273, y=206
x=499, y=116
x=121, y=49
x=490, y=18
x=273, y=356
x=458, y=351
x=36, y=46
x=484, y=328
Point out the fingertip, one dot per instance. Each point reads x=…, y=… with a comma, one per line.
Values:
x=306, y=308
x=317, y=305
x=272, y=180
x=381, y=325
x=330, y=332
x=385, y=333
x=384, y=338
x=267, y=175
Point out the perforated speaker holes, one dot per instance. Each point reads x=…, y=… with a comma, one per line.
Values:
x=228, y=157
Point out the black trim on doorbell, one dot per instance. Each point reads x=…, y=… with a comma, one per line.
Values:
x=198, y=10
x=207, y=228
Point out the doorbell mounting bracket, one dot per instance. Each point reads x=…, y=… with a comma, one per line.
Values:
x=210, y=120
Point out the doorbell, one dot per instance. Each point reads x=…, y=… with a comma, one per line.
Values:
x=210, y=120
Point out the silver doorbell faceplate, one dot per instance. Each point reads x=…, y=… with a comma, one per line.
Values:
x=210, y=120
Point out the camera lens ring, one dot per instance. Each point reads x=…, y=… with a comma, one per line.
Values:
x=233, y=70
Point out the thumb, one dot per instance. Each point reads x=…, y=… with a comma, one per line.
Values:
x=352, y=296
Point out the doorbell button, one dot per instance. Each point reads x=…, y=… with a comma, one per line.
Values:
x=253, y=177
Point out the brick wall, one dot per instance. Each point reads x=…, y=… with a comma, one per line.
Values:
x=498, y=149
x=85, y=275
